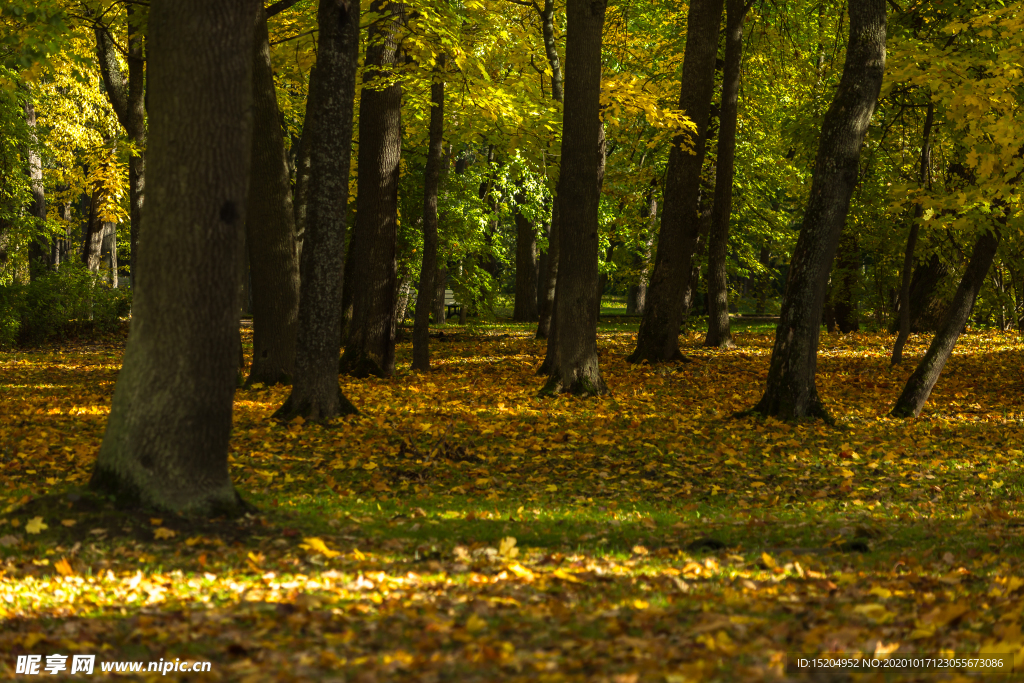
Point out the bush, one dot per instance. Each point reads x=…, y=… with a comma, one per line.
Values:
x=69, y=303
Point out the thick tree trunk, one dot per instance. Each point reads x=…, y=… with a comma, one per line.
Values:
x=908, y=258
x=431, y=181
x=791, y=392
x=718, y=287
x=128, y=100
x=526, y=270
x=166, y=443
x=370, y=347
x=439, y=311
x=270, y=231
x=328, y=132
x=919, y=386
x=658, y=338
x=577, y=370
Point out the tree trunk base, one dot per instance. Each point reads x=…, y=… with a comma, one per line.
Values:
x=789, y=411
x=221, y=501
x=358, y=364
x=641, y=355
x=724, y=344
x=581, y=386
x=267, y=377
x=313, y=410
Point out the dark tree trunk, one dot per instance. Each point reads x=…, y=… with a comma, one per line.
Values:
x=328, y=132
x=300, y=200
x=549, y=280
x=40, y=259
x=576, y=369
x=919, y=386
x=440, y=285
x=791, y=392
x=431, y=181
x=166, y=443
x=270, y=231
x=658, y=338
x=549, y=269
x=845, y=275
x=370, y=347
x=908, y=258
x=693, y=282
x=542, y=265
x=636, y=303
x=108, y=251
x=718, y=286
x=128, y=100
x=526, y=269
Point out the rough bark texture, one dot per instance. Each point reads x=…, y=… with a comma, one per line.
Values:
x=791, y=392
x=431, y=181
x=370, y=343
x=328, y=132
x=576, y=369
x=636, y=301
x=92, y=235
x=128, y=100
x=919, y=386
x=718, y=287
x=908, y=258
x=300, y=195
x=439, y=311
x=166, y=443
x=270, y=231
x=658, y=338
x=525, y=309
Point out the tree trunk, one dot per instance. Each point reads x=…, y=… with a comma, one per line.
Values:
x=718, y=287
x=402, y=298
x=92, y=239
x=270, y=231
x=919, y=386
x=526, y=269
x=109, y=250
x=908, y=259
x=328, y=132
x=577, y=370
x=636, y=303
x=845, y=275
x=370, y=347
x=791, y=392
x=40, y=259
x=658, y=338
x=300, y=200
x=431, y=181
x=128, y=100
x=440, y=312
x=166, y=443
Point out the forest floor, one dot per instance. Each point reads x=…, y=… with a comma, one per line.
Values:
x=463, y=529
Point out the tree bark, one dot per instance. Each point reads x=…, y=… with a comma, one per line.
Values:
x=439, y=311
x=92, y=239
x=919, y=386
x=636, y=302
x=270, y=231
x=791, y=392
x=370, y=347
x=658, y=338
x=525, y=309
x=431, y=181
x=300, y=199
x=908, y=258
x=166, y=443
x=40, y=259
x=718, y=287
x=328, y=132
x=128, y=100
x=577, y=369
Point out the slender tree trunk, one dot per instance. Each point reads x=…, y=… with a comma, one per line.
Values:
x=92, y=239
x=791, y=392
x=658, y=338
x=919, y=386
x=549, y=271
x=39, y=252
x=431, y=181
x=166, y=443
x=328, y=132
x=526, y=269
x=300, y=201
x=402, y=298
x=270, y=231
x=845, y=275
x=109, y=250
x=718, y=286
x=440, y=312
x=577, y=370
x=637, y=301
x=908, y=259
x=370, y=347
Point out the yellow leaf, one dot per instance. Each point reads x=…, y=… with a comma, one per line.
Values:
x=566, y=576
x=483, y=482
x=36, y=525
x=521, y=571
x=551, y=488
x=769, y=561
x=156, y=521
x=63, y=567
x=164, y=532
x=507, y=548
x=317, y=545
x=69, y=522
x=475, y=623
x=883, y=593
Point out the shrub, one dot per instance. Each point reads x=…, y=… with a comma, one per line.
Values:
x=60, y=305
